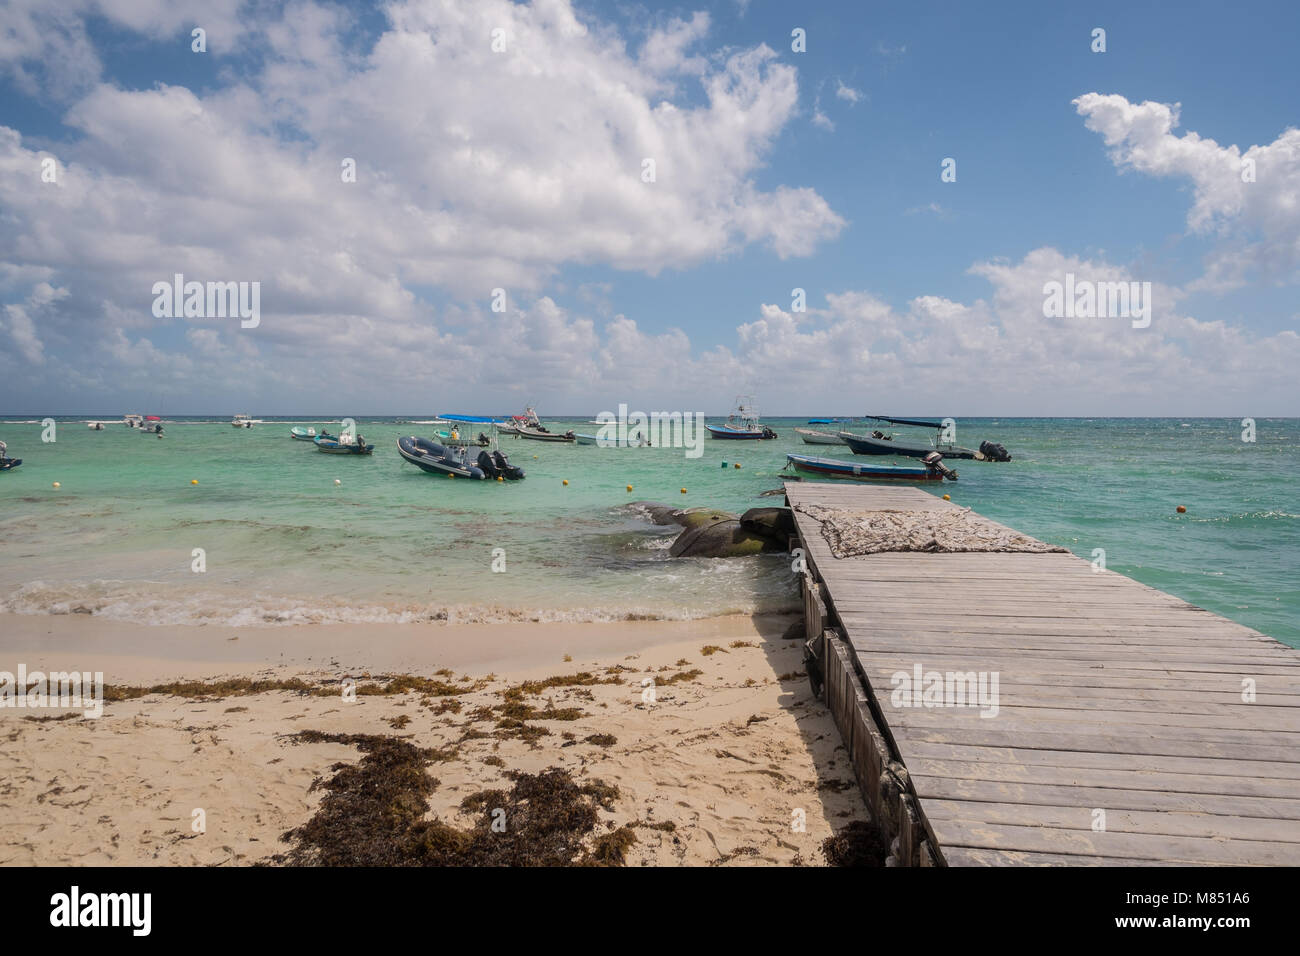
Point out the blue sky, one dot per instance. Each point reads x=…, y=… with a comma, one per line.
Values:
x=517, y=169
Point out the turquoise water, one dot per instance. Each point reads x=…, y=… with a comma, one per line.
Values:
x=283, y=543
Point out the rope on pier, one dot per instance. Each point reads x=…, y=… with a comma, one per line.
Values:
x=850, y=533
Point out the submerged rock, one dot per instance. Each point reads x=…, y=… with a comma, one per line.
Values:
x=724, y=537
x=775, y=523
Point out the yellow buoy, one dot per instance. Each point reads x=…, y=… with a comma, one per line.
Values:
x=534, y=458
x=947, y=497
x=566, y=481
x=1181, y=509
x=499, y=478
x=629, y=487
x=737, y=464
x=683, y=491
x=194, y=481
x=57, y=485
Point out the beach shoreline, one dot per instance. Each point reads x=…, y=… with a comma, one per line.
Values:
x=730, y=760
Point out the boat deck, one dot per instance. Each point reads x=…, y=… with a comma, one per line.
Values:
x=1121, y=734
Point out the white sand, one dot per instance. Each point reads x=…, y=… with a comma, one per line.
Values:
x=728, y=757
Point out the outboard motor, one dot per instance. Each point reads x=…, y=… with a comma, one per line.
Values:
x=768, y=433
x=934, y=461
x=993, y=451
x=487, y=464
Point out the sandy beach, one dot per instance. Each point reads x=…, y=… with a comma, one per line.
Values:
x=725, y=759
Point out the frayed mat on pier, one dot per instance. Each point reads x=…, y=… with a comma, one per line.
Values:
x=850, y=533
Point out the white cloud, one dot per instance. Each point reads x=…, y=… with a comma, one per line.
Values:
x=847, y=93
x=1258, y=223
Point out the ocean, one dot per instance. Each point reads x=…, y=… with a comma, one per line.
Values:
x=282, y=543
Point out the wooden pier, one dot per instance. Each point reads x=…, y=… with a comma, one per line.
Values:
x=1125, y=730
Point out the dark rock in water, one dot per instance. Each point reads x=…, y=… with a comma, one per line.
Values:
x=774, y=523
x=694, y=517
x=721, y=538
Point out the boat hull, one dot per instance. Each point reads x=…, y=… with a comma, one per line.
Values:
x=865, y=445
x=9, y=464
x=738, y=434
x=332, y=447
x=545, y=436
x=811, y=436
x=303, y=434
x=856, y=471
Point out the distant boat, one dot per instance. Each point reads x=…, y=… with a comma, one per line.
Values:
x=878, y=443
x=742, y=423
x=858, y=471
x=152, y=426
x=305, y=434
x=132, y=421
x=813, y=437
x=95, y=426
x=345, y=444
x=430, y=456
x=242, y=421
x=541, y=433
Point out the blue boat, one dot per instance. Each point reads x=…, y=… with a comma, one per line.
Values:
x=343, y=445
x=9, y=464
x=931, y=469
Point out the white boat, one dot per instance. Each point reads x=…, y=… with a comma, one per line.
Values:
x=613, y=435
x=813, y=437
x=243, y=421
x=132, y=421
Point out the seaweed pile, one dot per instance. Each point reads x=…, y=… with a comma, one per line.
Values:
x=374, y=815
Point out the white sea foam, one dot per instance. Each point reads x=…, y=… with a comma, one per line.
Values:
x=190, y=608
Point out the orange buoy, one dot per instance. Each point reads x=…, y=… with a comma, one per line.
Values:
x=1181, y=509
x=629, y=487
x=947, y=497
x=737, y=464
x=683, y=491
x=566, y=481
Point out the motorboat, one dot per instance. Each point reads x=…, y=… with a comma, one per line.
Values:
x=742, y=423
x=930, y=469
x=344, y=444
x=812, y=436
x=305, y=434
x=438, y=459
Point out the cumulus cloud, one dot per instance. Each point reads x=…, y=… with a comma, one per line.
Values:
x=1257, y=222
x=476, y=168
x=847, y=93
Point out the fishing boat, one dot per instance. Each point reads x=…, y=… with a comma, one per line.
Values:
x=9, y=464
x=878, y=443
x=430, y=456
x=305, y=434
x=132, y=421
x=742, y=424
x=243, y=421
x=811, y=436
x=95, y=426
x=152, y=425
x=930, y=469
x=542, y=433
x=344, y=444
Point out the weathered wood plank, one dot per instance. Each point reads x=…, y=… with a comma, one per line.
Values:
x=1112, y=695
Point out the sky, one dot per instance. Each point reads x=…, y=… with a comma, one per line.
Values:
x=576, y=204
